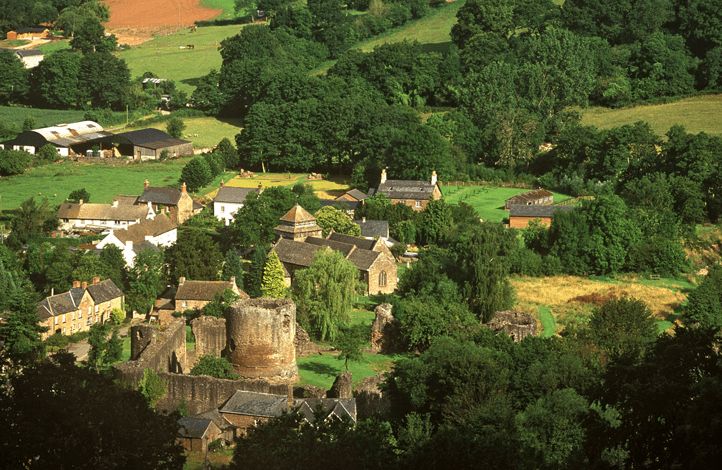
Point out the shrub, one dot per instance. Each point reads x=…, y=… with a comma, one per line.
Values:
x=217, y=367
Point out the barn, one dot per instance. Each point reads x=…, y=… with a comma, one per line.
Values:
x=28, y=33
x=538, y=197
x=521, y=215
x=148, y=144
x=67, y=138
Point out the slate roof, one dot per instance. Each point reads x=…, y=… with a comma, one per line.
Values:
x=293, y=252
x=102, y=212
x=301, y=253
x=363, y=259
x=30, y=30
x=193, y=428
x=150, y=227
x=203, y=290
x=350, y=205
x=156, y=195
x=142, y=137
x=359, y=242
x=341, y=407
x=353, y=194
x=344, y=248
x=518, y=210
x=26, y=52
x=255, y=404
x=61, y=303
x=126, y=199
x=215, y=416
x=373, y=228
x=233, y=195
x=529, y=197
x=406, y=189
x=104, y=291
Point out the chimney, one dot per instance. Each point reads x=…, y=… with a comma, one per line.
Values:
x=96, y=280
x=363, y=219
x=146, y=184
x=183, y=188
x=383, y=176
x=181, y=281
x=433, y=177
x=80, y=201
x=76, y=283
x=260, y=188
x=222, y=183
x=52, y=291
x=129, y=244
x=115, y=203
x=233, y=281
x=84, y=285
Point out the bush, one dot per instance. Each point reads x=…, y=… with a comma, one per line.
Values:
x=175, y=127
x=217, y=367
x=398, y=250
x=58, y=340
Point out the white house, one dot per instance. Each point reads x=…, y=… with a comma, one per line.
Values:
x=149, y=233
x=229, y=200
x=102, y=216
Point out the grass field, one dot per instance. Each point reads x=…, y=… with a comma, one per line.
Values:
x=552, y=295
x=226, y=5
x=102, y=180
x=12, y=115
x=163, y=57
x=697, y=114
x=321, y=370
x=55, y=46
x=488, y=200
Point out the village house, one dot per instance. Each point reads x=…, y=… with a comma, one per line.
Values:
x=29, y=57
x=538, y=197
x=415, y=194
x=149, y=233
x=300, y=238
x=80, y=307
x=197, y=433
x=247, y=409
x=229, y=199
x=101, y=216
x=191, y=295
x=521, y=215
x=372, y=229
x=177, y=203
x=353, y=196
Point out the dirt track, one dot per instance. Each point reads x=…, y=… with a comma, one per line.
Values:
x=148, y=13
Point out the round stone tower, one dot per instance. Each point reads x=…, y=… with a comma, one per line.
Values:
x=259, y=338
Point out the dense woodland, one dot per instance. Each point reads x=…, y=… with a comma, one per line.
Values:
x=609, y=392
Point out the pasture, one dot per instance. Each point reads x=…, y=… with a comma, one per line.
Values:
x=696, y=114
x=488, y=201
x=163, y=55
x=102, y=180
x=569, y=299
x=227, y=7
x=12, y=115
x=203, y=131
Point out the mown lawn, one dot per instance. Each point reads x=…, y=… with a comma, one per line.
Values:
x=321, y=370
x=488, y=201
x=696, y=114
x=163, y=55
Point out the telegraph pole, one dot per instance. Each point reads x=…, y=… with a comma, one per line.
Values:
x=179, y=16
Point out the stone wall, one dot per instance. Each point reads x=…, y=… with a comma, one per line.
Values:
x=386, y=264
x=260, y=335
x=203, y=393
x=210, y=333
x=303, y=344
x=162, y=351
x=370, y=401
x=385, y=334
x=517, y=324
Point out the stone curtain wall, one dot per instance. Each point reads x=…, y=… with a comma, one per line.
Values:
x=162, y=351
x=210, y=333
x=203, y=393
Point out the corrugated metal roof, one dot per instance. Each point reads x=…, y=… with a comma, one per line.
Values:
x=69, y=130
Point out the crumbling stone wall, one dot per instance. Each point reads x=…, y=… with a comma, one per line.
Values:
x=370, y=400
x=202, y=393
x=342, y=386
x=517, y=324
x=210, y=333
x=260, y=334
x=385, y=334
x=303, y=344
x=160, y=351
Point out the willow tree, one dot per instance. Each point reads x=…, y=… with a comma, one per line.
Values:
x=325, y=293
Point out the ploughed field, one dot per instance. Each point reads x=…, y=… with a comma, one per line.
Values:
x=144, y=13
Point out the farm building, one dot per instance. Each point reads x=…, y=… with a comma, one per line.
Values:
x=29, y=33
x=414, y=194
x=521, y=215
x=146, y=144
x=67, y=138
x=538, y=197
x=29, y=57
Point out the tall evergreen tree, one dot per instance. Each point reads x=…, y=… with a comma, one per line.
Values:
x=232, y=267
x=253, y=278
x=273, y=284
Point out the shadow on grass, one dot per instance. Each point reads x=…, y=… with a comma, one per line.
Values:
x=440, y=47
x=191, y=81
x=320, y=369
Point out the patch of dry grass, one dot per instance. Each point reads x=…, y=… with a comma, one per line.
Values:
x=324, y=189
x=557, y=292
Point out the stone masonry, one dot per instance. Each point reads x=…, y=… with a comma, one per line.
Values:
x=210, y=333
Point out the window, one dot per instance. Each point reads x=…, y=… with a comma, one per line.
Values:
x=63, y=318
x=184, y=304
x=418, y=203
x=223, y=208
x=96, y=308
x=63, y=330
x=402, y=202
x=90, y=309
x=74, y=314
x=109, y=304
x=382, y=278
x=89, y=321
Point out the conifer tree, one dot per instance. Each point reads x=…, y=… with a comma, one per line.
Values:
x=273, y=285
x=232, y=267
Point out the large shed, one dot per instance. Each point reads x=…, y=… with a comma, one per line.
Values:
x=148, y=144
x=65, y=137
x=28, y=33
x=537, y=197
